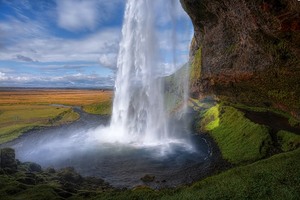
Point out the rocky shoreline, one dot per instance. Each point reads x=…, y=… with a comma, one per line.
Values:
x=64, y=182
x=213, y=164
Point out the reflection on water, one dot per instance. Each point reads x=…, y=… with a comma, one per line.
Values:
x=121, y=165
x=86, y=148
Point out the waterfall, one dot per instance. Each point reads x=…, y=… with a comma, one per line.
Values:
x=138, y=108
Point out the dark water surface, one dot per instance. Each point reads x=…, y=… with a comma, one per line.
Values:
x=180, y=161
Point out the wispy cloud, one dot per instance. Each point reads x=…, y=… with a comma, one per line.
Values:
x=76, y=42
x=2, y=76
x=24, y=58
x=78, y=15
x=73, y=80
x=109, y=60
x=52, y=49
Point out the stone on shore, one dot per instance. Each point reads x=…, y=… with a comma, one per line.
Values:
x=8, y=160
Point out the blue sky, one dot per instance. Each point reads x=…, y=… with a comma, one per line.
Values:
x=75, y=43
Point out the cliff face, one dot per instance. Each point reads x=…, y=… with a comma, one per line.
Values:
x=247, y=51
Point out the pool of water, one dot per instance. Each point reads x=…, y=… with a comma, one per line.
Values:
x=173, y=162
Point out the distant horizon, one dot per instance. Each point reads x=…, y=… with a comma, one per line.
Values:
x=62, y=88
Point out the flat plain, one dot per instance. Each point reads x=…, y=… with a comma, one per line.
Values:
x=25, y=109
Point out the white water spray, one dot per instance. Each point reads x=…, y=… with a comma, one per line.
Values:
x=139, y=116
x=138, y=119
x=138, y=107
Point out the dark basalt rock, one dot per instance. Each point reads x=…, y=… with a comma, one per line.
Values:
x=8, y=161
x=148, y=178
x=29, y=179
x=64, y=183
x=50, y=170
x=69, y=176
x=33, y=167
x=246, y=52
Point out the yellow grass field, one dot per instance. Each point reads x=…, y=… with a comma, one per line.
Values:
x=54, y=96
x=22, y=110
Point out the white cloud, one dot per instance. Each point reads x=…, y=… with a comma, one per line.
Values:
x=24, y=58
x=53, y=49
x=35, y=39
x=2, y=76
x=72, y=80
x=14, y=29
x=108, y=60
x=77, y=14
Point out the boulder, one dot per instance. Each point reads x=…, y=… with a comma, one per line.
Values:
x=148, y=178
x=33, y=167
x=69, y=175
x=50, y=170
x=8, y=160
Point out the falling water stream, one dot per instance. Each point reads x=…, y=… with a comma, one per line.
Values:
x=141, y=137
x=138, y=109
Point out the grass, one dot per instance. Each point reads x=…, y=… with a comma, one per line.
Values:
x=54, y=96
x=102, y=108
x=273, y=178
x=196, y=66
x=26, y=113
x=16, y=119
x=288, y=141
x=69, y=116
x=12, y=132
x=239, y=139
x=22, y=110
x=292, y=120
x=277, y=177
x=45, y=185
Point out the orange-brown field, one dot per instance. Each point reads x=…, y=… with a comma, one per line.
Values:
x=22, y=110
x=54, y=96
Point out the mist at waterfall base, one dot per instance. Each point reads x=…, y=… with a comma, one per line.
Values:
x=142, y=137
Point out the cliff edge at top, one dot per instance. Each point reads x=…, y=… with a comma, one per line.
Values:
x=247, y=52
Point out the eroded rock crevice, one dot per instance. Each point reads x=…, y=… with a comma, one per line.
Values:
x=246, y=52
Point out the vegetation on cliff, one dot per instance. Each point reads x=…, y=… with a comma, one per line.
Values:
x=239, y=139
x=288, y=141
x=249, y=52
x=245, y=54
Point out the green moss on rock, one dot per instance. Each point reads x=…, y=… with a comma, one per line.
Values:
x=196, y=67
x=273, y=178
x=288, y=141
x=239, y=139
x=246, y=52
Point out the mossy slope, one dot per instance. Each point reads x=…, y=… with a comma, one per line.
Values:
x=102, y=108
x=288, y=141
x=239, y=139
